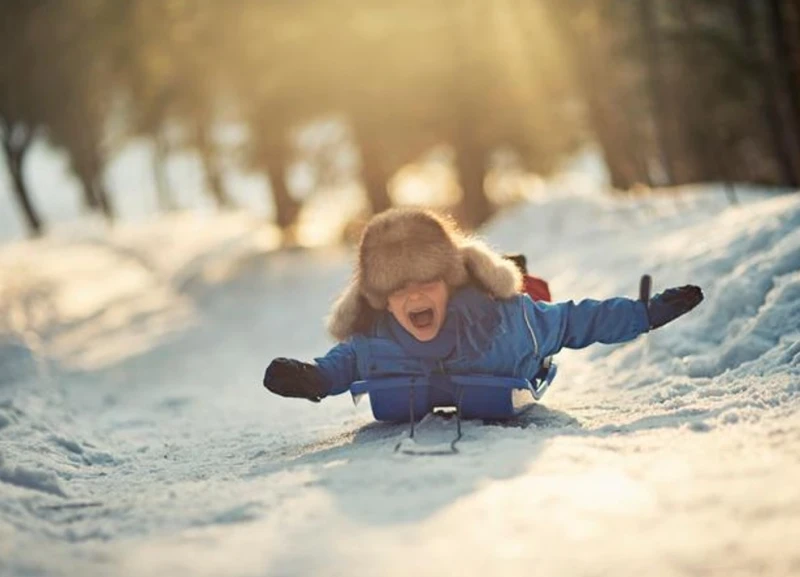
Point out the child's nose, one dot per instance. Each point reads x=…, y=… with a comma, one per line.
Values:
x=414, y=295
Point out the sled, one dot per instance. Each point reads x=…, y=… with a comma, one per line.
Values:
x=410, y=398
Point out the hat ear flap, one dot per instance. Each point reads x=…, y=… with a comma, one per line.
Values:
x=498, y=276
x=350, y=313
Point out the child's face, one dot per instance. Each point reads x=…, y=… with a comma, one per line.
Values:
x=420, y=308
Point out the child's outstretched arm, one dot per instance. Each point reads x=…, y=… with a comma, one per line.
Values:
x=609, y=321
x=328, y=375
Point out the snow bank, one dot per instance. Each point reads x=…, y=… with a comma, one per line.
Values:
x=135, y=438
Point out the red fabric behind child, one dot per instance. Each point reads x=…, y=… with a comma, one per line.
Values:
x=536, y=288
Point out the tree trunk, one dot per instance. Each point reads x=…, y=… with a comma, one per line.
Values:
x=657, y=85
x=160, y=154
x=212, y=172
x=626, y=159
x=89, y=168
x=471, y=165
x=785, y=85
x=286, y=207
x=613, y=154
x=376, y=178
x=95, y=194
x=792, y=18
x=769, y=100
x=15, y=155
x=783, y=49
x=101, y=193
x=470, y=20
x=700, y=129
x=374, y=170
x=214, y=181
x=100, y=190
x=90, y=200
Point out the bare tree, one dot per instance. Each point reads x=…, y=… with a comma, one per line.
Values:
x=19, y=99
x=786, y=90
x=656, y=80
x=614, y=107
x=17, y=137
x=768, y=100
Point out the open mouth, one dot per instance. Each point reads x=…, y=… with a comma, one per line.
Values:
x=422, y=318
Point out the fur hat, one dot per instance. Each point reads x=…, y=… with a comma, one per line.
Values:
x=403, y=245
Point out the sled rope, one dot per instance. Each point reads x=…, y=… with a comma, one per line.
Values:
x=458, y=420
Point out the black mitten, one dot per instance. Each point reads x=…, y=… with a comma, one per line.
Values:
x=672, y=303
x=291, y=378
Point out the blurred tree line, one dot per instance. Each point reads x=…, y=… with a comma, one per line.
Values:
x=671, y=91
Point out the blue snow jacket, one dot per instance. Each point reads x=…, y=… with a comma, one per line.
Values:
x=480, y=335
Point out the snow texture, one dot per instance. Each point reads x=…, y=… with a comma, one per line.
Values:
x=136, y=439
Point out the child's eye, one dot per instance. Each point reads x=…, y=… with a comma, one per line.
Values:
x=427, y=286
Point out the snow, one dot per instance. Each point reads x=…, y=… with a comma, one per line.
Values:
x=136, y=439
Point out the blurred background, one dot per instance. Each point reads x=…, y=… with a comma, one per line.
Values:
x=311, y=115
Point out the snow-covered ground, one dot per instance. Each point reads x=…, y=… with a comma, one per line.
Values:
x=136, y=439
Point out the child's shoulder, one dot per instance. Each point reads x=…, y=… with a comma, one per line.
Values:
x=472, y=295
x=472, y=302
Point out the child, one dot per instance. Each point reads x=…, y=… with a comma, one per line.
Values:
x=426, y=299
